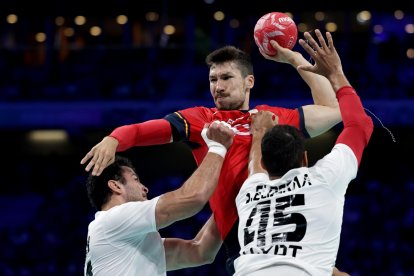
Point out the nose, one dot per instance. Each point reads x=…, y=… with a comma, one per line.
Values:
x=219, y=86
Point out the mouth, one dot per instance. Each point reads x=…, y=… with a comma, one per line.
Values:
x=220, y=97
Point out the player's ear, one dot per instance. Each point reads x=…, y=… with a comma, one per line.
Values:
x=249, y=81
x=114, y=186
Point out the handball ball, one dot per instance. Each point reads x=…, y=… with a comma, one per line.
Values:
x=276, y=26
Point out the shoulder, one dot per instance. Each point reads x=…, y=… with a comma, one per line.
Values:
x=340, y=163
x=253, y=179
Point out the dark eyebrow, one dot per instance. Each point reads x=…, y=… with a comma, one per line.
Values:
x=226, y=74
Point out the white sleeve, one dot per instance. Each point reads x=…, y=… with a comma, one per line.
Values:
x=337, y=168
x=133, y=218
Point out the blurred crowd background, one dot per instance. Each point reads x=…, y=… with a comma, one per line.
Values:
x=71, y=71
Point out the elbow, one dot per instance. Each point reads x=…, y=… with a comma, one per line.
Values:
x=363, y=126
x=207, y=259
x=200, y=197
x=368, y=126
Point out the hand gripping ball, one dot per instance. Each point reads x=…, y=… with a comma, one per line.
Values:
x=275, y=26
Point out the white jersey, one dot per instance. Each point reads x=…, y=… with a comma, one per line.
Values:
x=292, y=225
x=124, y=241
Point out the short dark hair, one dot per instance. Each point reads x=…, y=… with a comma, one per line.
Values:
x=282, y=149
x=231, y=53
x=97, y=186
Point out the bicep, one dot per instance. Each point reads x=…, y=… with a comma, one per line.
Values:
x=168, y=209
x=319, y=119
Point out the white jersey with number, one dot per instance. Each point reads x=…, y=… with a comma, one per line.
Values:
x=124, y=241
x=292, y=225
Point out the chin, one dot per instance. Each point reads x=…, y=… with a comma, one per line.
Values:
x=228, y=107
x=223, y=107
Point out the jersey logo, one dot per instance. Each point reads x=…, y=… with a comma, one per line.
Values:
x=241, y=125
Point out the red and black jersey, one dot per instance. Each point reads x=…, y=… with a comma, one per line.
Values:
x=189, y=124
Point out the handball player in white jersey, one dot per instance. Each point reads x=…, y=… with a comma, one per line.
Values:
x=290, y=215
x=123, y=239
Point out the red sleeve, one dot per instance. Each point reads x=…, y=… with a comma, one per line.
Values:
x=190, y=122
x=358, y=125
x=153, y=132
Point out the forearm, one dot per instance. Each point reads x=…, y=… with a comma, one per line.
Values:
x=153, y=132
x=201, y=250
x=191, y=197
x=358, y=126
x=255, y=155
x=201, y=185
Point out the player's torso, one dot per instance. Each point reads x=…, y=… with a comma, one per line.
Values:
x=292, y=218
x=239, y=120
x=126, y=254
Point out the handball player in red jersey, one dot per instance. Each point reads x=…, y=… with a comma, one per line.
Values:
x=231, y=80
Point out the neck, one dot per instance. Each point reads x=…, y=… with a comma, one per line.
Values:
x=245, y=106
x=274, y=177
x=111, y=203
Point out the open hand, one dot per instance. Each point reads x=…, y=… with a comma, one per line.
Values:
x=101, y=155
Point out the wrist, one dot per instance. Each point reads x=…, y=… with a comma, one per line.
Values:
x=296, y=60
x=217, y=148
x=338, y=80
x=213, y=146
x=259, y=131
x=113, y=139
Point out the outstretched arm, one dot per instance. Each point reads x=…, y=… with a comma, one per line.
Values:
x=324, y=113
x=201, y=250
x=153, y=132
x=358, y=125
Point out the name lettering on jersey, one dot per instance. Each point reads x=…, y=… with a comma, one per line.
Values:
x=275, y=249
x=264, y=191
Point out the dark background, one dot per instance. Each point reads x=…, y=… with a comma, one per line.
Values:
x=86, y=86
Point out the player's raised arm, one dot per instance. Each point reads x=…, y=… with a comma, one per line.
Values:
x=180, y=253
x=358, y=125
x=191, y=197
x=262, y=121
x=324, y=113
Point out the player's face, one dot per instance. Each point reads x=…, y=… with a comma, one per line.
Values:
x=229, y=89
x=134, y=189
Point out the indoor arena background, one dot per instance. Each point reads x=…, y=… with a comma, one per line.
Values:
x=66, y=81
